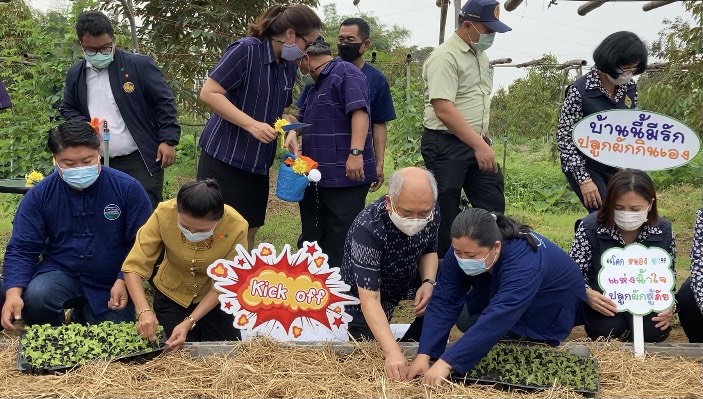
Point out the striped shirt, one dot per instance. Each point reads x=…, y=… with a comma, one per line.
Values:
x=379, y=257
x=260, y=87
x=340, y=90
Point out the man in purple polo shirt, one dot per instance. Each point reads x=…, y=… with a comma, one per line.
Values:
x=338, y=108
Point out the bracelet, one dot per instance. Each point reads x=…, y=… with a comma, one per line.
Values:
x=139, y=314
x=192, y=321
x=589, y=180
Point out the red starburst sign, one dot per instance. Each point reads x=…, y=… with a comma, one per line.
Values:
x=296, y=291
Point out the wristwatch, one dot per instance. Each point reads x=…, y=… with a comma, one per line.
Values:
x=355, y=151
x=429, y=280
x=192, y=321
x=172, y=143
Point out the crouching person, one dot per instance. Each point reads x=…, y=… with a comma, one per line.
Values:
x=195, y=229
x=522, y=285
x=70, y=235
x=391, y=254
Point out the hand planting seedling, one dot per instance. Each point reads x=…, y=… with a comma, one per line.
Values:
x=536, y=367
x=45, y=347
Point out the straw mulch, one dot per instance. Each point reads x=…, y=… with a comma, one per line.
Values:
x=265, y=369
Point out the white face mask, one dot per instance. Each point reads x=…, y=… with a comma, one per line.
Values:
x=408, y=226
x=622, y=79
x=196, y=237
x=630, y=220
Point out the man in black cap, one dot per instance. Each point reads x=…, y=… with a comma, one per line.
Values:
x=455, y=144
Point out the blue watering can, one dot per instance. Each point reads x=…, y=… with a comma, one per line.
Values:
x=290, y=186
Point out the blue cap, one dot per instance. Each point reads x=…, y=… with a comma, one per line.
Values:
x=486, y=12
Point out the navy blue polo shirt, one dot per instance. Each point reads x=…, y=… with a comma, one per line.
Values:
x=379, y=257
x=340, y=89
x=260, y=87
x=382, y=109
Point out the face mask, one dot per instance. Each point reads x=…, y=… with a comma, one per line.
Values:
x=473, y=267
x=100, y=61
x=306, y=79
x=291, y=52
x=408, y=226
x=349, y=52
x=622, y=79
x=196, y=237
x=485, y=40
x=80, y=178
x=630, y=220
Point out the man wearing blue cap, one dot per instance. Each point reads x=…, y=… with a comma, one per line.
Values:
x=455, y=144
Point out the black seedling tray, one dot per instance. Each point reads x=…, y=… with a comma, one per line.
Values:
x=494, y=381
x=24, y=366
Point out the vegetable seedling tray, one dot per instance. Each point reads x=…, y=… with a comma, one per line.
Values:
x=495, y=380
x=24, y=366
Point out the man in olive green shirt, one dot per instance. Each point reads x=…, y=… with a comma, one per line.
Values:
x=455, y=145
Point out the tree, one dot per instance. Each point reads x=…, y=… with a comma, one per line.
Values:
x=678, y=90
x=529, y=108
x=187, y=38
x=35, y=83
x=383, y=38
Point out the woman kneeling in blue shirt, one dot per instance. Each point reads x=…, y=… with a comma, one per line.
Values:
x=521, y=284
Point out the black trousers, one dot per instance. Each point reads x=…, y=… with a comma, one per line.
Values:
x=620, y=326
x=600, y=179
x=214, y=326
x=689, y=313
x=133, y=165
x=327, y=213
x=359, y=330
x=454, y=165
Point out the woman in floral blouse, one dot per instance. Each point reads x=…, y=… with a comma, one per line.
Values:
x=690, y=296
x=607, y=86
x=629, y=215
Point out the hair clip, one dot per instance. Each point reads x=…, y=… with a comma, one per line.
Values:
x=494, y=216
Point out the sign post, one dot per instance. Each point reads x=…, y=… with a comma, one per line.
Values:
x=639, y=280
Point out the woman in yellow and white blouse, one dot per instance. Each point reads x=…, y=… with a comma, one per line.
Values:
x=196, y=229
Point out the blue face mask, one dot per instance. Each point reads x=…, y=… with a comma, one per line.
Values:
x=100, y=61
x=473, y=267
x=291, y=52
x=485, y=40
x=81, y=177
x=195, y=237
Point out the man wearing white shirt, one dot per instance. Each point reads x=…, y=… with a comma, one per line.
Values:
x=130, y=93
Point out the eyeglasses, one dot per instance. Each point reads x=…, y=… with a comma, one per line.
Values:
x=307, y=43
x=94, y=51
x=628, y=70
x=429, y=216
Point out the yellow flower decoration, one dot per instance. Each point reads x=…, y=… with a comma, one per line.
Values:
x=300, y=166
x=278, y=126
x=33, y=178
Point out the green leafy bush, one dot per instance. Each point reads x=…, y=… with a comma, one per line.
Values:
x=44, y=346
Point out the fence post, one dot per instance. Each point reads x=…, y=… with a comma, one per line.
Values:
x=505, y=153
x=407, y=77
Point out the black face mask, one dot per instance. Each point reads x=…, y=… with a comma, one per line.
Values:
x=349, y=52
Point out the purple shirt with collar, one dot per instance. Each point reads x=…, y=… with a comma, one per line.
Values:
x=259, y=86
x=340, y=89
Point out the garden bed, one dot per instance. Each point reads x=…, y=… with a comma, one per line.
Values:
x=265, y=369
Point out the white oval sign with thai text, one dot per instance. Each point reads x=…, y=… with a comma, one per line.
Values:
x=636, y=139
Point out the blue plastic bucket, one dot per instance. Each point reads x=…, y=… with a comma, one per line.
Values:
x=290, y=186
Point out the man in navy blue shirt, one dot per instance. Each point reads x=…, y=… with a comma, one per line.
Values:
x=71, y=234
x=339, y=141
x=354, y=40
x=390, y=254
